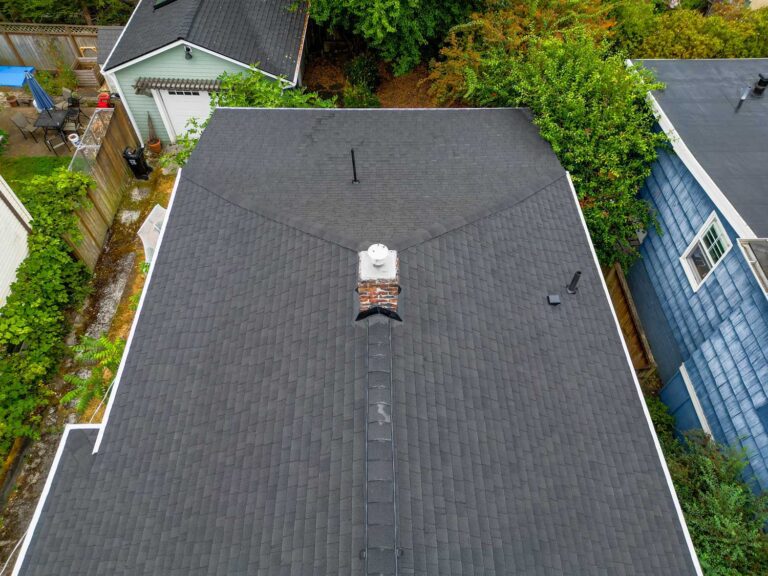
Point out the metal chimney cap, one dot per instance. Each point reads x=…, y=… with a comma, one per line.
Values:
x=378, y=254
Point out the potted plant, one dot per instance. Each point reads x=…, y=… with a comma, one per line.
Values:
x=12, y=100
x=153, y=143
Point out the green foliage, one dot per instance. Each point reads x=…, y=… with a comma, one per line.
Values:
x=724, y=516
x=504, y=29
x=594, y=112
x=3, y=141
x=97, y=360
x=363, y=70
x=399, y=30
x=249, y=89
x=635, y=20
x=731, y=31
x=101, y=12
x=356, y=96
x=33, y=321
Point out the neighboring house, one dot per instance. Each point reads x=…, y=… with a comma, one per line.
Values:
x=14, y=228
x=105, y=42
x=292, y=403
x=170, y=54
x=700, y=287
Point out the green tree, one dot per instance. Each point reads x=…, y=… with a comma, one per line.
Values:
x=249, y=89
x=67, y=11
x=400, y=30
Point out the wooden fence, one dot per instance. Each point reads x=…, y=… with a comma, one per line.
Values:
x=101, y=156
x=639, y=350
x=39, y=45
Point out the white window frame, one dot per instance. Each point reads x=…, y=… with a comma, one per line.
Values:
x=760, y=275
x=693, y=276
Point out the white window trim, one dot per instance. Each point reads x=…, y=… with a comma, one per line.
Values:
x=690, y=274
x=694, y=399
x=762, y=282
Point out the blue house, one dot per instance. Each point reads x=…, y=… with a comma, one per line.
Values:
x=701, y=287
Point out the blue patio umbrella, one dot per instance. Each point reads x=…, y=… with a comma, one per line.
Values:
x=44, y=102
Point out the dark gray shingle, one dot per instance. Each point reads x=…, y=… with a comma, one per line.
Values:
x=269, y=33
x=700, y=100
x=236, y=443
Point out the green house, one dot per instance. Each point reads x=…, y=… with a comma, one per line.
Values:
x=167, y=59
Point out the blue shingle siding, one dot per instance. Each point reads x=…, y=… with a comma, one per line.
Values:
x=721, y=329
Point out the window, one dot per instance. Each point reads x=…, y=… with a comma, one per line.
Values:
x=183, y=93
x=756, y=252
x=706, y=251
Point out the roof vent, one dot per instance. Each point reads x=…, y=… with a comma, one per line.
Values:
x=377, y=282
x=760, y=86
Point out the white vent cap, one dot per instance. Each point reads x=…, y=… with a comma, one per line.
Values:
x=378, y=254
x=378, y=263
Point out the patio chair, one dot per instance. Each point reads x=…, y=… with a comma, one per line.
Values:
x=52, y=144
x=24, y=125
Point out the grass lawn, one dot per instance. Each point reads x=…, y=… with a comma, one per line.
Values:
x=18, y=170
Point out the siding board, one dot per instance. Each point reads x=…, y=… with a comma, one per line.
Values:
x=722, y=329
x=13, y=238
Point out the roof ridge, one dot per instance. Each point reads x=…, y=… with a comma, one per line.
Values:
x=340, y=242
x=418, y=239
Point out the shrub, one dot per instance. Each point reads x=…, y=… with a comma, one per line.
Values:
x=594, y=112
x=731, y=31
x=504, y=30
x=249, y=89
x=724, y=516
x=33, y=321
x=97, y=360
x=363, y=70
x=356, y=96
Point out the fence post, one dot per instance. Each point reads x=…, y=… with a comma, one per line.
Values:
x=13, y=48
x=73, y=44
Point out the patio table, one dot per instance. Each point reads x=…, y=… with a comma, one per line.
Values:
x=52, y=120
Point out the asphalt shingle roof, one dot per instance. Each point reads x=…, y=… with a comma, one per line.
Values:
x=700, y=100
x=106, y=40
x=236, y=441
x=269, y=33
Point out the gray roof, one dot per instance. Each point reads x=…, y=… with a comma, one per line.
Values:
x=236, y=442
x=700, y=100
x=269, y=33
x=106, y=39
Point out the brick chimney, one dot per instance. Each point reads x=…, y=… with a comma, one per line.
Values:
x=377, y=282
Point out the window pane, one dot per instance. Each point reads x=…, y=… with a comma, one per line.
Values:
x=698, y=261
x=715, y=242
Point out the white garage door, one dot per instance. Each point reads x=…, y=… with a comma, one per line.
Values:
x=181, y=105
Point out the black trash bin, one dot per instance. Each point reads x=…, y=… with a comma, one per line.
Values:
x=137, y=162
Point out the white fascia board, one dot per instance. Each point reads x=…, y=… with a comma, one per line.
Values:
x=638, y=389
x=194, y=46
x=105, y=66
x=142, y=298
x=46, y=490
x=127, y=108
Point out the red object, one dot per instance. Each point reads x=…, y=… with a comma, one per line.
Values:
x=104, y=101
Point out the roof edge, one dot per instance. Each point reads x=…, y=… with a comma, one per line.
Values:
x=697, y=170
x=638, y=389
x=30, y=532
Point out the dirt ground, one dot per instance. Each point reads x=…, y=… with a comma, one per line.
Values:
x=104, y=310
x=325, y=75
